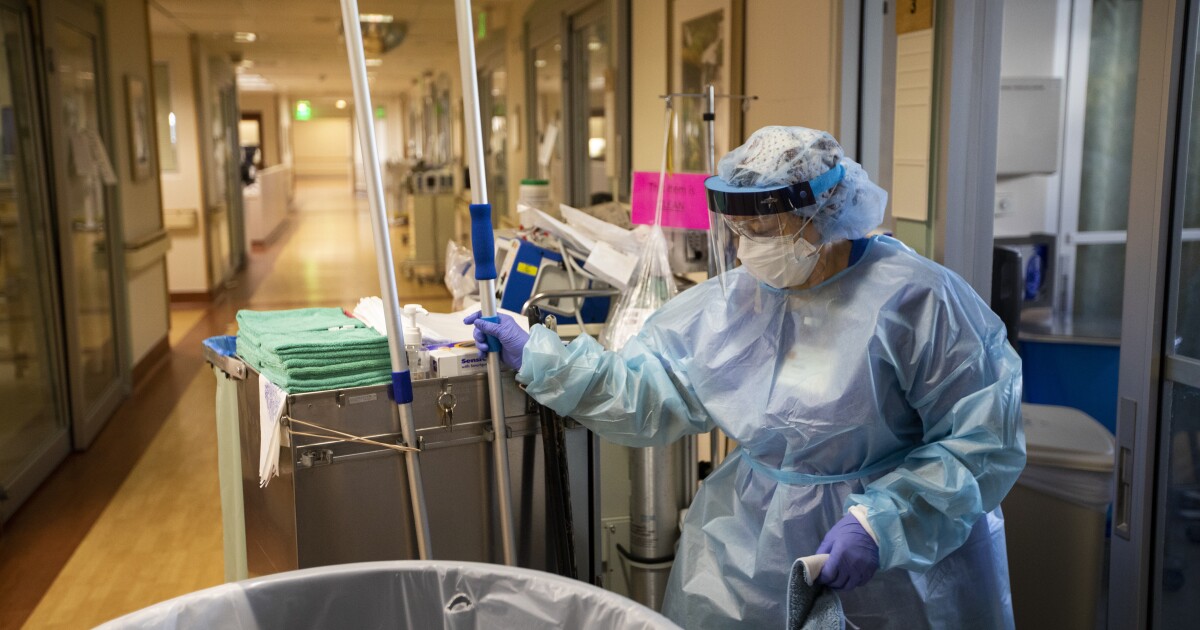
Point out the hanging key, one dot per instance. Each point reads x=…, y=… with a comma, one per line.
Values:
x=446, y=402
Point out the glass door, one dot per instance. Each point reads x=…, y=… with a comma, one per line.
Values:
x=546, y=152
x=84, y=177
x=1093, y=232
x=1155, y=568
x=33, y=427
x=493, y=99
x=1177, y=550
x=595, y=164
x=579, y=99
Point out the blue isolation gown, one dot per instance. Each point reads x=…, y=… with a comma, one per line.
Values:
x=889, y=385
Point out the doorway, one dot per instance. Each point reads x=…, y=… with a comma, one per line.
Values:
x=88, y=224
x=34, y=435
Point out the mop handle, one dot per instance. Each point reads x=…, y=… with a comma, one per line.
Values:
x=485, y=271
x=402, y=391
x=483, y=244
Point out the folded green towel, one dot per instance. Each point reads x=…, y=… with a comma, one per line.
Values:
x=306, y=331
x=309, y=343
x=338, y=362
x=312, y=349
x=365, y=361
x=295, y=385
x=294, y=320
x=333, y=370
x=317, y=357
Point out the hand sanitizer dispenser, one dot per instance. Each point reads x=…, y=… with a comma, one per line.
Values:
x=414, y=342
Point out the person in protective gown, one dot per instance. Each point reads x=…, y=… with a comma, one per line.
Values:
x=873, y=396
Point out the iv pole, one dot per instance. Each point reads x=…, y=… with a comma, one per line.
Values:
x=484, y=248
x=402, y=392
x=717, y=439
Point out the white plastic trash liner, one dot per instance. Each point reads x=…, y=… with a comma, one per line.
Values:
x=405, y=594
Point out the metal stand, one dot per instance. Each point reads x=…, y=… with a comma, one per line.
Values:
x=402, y=391
x=717, y=440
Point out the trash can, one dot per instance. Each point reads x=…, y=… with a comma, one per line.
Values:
x=400, y=594
x=1055, y=519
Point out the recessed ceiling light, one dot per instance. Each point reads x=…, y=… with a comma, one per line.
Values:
x=539, y=63
x=243, y=37
x=374, y=62
x=246, y=63
x=375, y=18
x=340, y=104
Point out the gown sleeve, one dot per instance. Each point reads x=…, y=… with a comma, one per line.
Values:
x=963, y=379
x=634, y=397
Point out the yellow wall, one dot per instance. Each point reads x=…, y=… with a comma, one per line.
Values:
x=792, y=63
x=141, y=209
x=322, y=147
x=182, y=198
x=649, y=80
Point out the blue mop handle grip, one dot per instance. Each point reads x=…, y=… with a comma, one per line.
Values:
x=483, y=241
x=483, y=245
x=402, y=389
x=493, y=342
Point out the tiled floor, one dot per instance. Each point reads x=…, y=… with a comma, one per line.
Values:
x=158, y=533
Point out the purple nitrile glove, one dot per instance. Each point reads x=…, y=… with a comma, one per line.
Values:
x=512, y=337
x=853, y=555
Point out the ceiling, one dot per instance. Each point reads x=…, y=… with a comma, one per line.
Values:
x=298, y=49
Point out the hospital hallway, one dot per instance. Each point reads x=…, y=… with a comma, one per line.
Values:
x=136, y=518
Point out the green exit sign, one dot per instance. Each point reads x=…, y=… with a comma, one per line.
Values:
x=303, y=110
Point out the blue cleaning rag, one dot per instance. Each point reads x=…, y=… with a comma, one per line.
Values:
x=812, y=607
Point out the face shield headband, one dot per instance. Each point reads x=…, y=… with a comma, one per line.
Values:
x=746, y=201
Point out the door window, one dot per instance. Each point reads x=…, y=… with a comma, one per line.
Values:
x=31, y=419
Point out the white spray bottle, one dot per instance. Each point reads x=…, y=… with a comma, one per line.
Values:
x=414, y=342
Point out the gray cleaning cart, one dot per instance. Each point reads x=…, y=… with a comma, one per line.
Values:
x=338, y=502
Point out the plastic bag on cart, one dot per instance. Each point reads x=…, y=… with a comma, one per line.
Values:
x=652, y=283
x=460, y=274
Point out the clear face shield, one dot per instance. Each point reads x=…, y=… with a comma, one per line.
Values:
x=767, y=229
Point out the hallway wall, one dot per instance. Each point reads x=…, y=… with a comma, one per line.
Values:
x=322, y=147
x=128, y=32
x=807, y=94
x=181, y=194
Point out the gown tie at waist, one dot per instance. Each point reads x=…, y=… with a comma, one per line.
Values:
x=794, y=478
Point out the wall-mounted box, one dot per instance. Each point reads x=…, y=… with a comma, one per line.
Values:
x=1029, y=133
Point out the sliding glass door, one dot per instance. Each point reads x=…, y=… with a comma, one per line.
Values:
x=33, y=428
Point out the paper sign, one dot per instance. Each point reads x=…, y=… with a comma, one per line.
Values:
x=270, y=411
x=685, y=204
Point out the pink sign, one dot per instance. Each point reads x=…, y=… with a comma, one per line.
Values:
x=685, y=204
